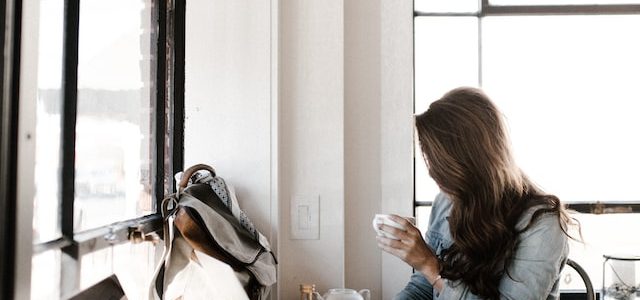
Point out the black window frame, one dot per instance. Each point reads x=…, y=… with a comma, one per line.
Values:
x=167, y=158
x=487, y=9
x=10, y=12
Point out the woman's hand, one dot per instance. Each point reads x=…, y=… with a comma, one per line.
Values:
x=411, y=248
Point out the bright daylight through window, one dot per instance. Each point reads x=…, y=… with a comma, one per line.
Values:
x=567, y=84
x=115, y=142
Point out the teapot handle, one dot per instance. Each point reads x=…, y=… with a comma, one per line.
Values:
x=317, y=296
x=366, y=294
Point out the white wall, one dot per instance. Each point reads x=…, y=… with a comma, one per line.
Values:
x=308, y=98
x=363, y=161
x=378, y=135
x=312, y=139
x=228, y=97
x=230, y=102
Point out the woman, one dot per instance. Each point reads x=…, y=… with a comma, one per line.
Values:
x=492, y=233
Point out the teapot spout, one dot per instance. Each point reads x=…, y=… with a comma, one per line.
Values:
x=365, y=293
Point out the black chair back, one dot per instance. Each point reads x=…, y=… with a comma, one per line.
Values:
x=585, y=277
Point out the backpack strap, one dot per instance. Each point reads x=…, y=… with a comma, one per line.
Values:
x=192, y=170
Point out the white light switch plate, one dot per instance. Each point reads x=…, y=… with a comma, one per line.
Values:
x=305, y=217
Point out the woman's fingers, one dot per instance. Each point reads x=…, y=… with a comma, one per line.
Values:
x=409, y=227
x=394, y=247
x=400, y=220
x=394, y=251
x=397, y=232
x=390, y=242
x=400, y=234
x=407, y=245
x=411, y=233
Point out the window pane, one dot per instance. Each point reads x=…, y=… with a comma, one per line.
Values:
x=569, y=90
x=46, y=225
x=422, y=218
x=444, y=6
x=45, y=275
x=603, y=234
x=426, y=188
x=115, y=112
x=121, y=260
x=446, y=56
x=561, y=2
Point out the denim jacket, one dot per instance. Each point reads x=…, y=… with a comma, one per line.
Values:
x=535, y=269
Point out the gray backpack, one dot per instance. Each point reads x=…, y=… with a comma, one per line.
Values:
x=203, y=215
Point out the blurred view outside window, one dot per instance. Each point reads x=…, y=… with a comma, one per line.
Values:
x=115, y=138
x=568, y=89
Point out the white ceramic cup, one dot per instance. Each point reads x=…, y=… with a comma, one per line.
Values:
x=386, y=219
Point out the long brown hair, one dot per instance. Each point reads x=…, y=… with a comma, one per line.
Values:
x=467, y=150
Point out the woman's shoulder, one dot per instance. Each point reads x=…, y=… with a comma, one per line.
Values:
x=438, y=236
x=545, y=226
x=440, y=211
x=442, y=204
x=543, y=241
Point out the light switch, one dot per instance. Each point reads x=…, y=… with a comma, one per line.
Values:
x=305, y=217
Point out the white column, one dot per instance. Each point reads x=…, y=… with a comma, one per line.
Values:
x=397, y=127
x=26, y=148
x=363, y=159
x=311, y=138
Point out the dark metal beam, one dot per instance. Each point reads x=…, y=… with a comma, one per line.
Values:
x=58, y=243
x=11, y=14
x=138, y=230
x=159, y=185
x=424, y=203
x=69, y=113
x=413, y=95
x=484, y=4
x=516, y=10
x=562, y=10
x=147, y=228
x=179, y=74
x=598, y=207
x=70, y=268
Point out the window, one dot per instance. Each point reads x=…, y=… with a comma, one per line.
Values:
x=116, y=105
x=566, y=87
x=579, y=104
x=108, y=139
x=561, y=2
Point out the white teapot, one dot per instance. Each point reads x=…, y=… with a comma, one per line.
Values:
x=344, y=294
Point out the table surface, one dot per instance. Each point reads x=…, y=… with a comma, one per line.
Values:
x=630, y=257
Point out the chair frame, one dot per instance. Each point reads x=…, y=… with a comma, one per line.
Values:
x=585, y=277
